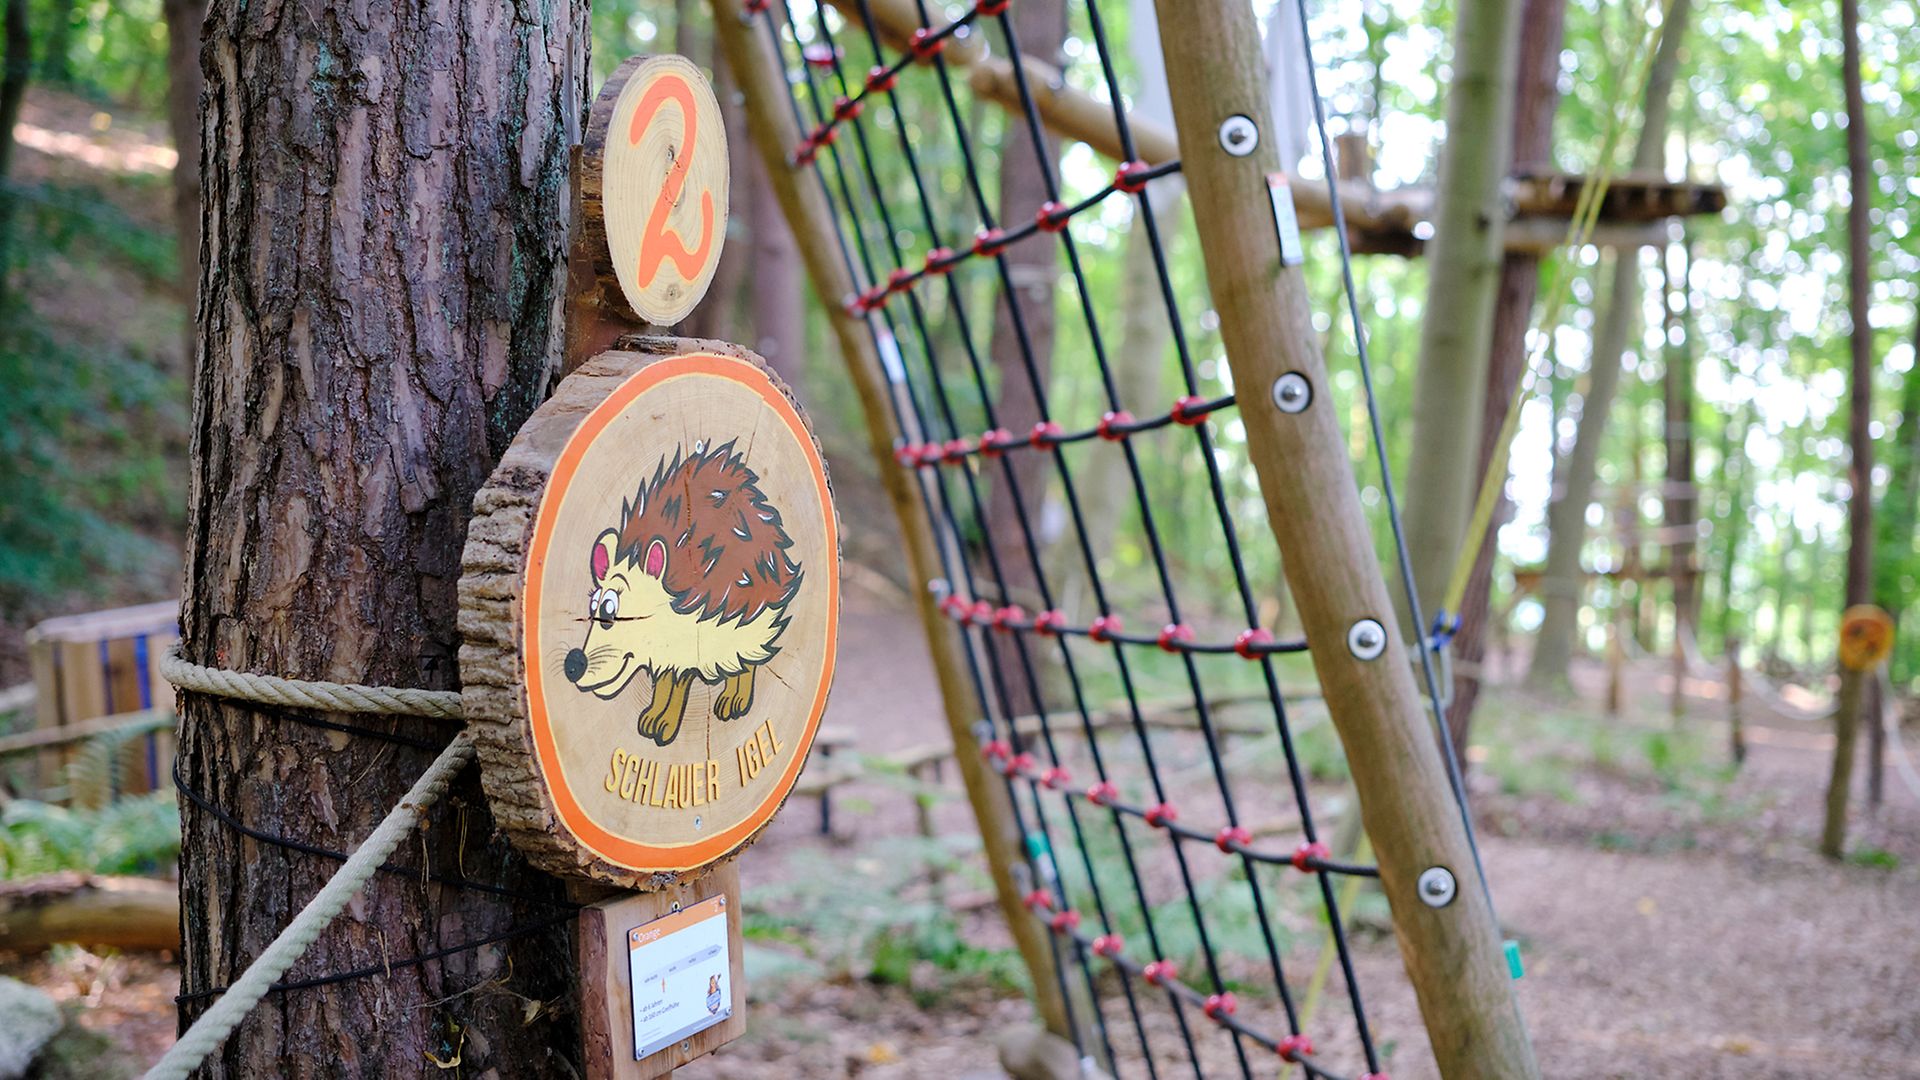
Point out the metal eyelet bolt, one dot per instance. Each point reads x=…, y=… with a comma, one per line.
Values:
x=1239, y=135
x=1436, y=886
x=1292, y=393
x=1367, y=639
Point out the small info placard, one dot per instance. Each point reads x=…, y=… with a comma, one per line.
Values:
x=681, y=975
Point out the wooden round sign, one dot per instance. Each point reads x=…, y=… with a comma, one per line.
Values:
x=1866, y=637
x=654, y=187
x=649, y=604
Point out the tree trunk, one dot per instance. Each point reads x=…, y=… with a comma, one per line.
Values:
x=778, y=301
x=18, y=68
x=1536, y=96
x=1463, y=278
x=1560, y=588
x=1900, y=508
x=55, y=66
x=183, y=116
x=1679, y=505
x=386, y=230
x=1846, y=719
x=1033, y=267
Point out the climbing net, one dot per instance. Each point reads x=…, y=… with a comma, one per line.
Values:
x=1148, y=859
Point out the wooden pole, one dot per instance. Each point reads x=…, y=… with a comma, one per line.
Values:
x=773, y=131
x=1452, y=952
x=1736, y=724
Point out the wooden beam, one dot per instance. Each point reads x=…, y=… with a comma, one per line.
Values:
x=772, y=128
x=144, y=720
x=1452, y=952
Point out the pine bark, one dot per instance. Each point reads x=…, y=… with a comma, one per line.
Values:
x=1537, y=96
x=385, y=230
x=183, y=117
x=1561, y=586
x=1853, y=696
x=1463, y=277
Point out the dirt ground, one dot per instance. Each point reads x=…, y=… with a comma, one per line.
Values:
x=1663, y=935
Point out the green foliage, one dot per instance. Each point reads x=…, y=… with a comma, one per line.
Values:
x=136, y=835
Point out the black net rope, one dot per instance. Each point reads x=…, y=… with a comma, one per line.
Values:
x=896, y=238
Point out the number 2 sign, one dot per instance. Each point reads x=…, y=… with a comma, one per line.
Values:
x=654, y=182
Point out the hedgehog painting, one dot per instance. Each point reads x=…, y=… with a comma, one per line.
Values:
x=693, y=582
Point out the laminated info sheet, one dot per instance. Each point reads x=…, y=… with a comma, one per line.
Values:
x=681, y=975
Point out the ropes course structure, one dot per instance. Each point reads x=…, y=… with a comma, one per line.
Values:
x=1107, y=844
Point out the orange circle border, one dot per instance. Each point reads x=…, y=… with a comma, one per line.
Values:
x=618, y=850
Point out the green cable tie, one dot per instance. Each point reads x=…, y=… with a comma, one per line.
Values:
x=1515, y=968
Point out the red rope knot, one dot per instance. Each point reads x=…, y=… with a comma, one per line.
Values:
x=1220, y=1005
x=1065, y=922
x=1052, y=217
x=899, y=280
x=805, y=152
x=845, y=108
x=1113, y=425
x=1020, y=764
x=1105, y=627
x=995, y=749
x=1231, y=837
x=907, y=454
x=932, y=454
x=875, y=298
x=1038, y=900
x=939, y=261
x=824, y=135
x=1056, y=778
x=1109, y=945
x=1043, y=433
x=1131, y=177
x=1249, y=641
x=1174, y=635
x=1162, y=815
x=820, y=55
x=981, y=614
x=1190, y=410
x=956, y=450
x=1160, y=972
x=1295, y=1047
x=755, y=7
x=992, y=7
x=1103, y=793
x=996, y=442
x=989, y=242
x=1305, y=853
x=1049, y=623
x=925, y=45
x=881, y=79
x=1009, y=618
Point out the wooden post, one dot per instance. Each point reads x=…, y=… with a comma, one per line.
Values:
x=772, y=128
x=1678, y=703
x=1616, y=652
x=1452, y=952
x=1736, y=730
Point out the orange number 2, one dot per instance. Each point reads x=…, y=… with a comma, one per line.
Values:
x=659, y=243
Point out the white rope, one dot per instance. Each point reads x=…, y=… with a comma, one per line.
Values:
x=213, y=1027
x=308, y=694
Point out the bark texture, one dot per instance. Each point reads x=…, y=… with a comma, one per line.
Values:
x=1041, y=26
x=183, y=117
x=1536, y=97
x=385, y=230
x=1560, y=588
x=1463, y=276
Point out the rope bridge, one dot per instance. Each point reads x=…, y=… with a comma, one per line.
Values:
x=921, y=285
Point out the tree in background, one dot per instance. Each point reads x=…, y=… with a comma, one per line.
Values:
x=1536, y=94
x=386, y=229
x=1463, y=277
x=183, y=118
x=1846, y=718
x=1574, y=473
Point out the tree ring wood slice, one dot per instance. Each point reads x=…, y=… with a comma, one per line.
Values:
x=649, y=608
x=654, y=185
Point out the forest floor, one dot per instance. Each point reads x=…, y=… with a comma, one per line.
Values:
x=1673, y=914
